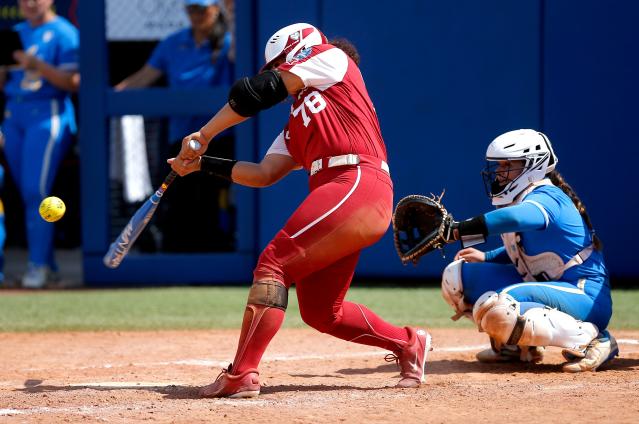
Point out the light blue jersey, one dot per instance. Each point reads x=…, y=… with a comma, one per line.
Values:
x=545, y=222
x=39, y=125
x=3, y=234
x=548, y=221
x=188, y=65
x=55, y=42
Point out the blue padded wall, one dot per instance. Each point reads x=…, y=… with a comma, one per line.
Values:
x=446, y=78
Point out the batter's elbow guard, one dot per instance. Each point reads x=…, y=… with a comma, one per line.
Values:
x=248, y=96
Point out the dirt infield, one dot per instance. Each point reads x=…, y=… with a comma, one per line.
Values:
x=308, y=377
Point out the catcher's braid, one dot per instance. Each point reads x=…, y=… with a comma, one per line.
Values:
x=420, y=225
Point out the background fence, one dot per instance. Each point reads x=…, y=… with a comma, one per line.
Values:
x=445, y=77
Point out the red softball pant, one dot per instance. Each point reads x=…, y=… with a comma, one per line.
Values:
x=348, y=209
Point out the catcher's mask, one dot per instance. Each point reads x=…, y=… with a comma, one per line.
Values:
x=289, y=41
x=526, y=145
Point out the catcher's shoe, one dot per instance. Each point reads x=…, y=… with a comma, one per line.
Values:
x=244, y=385
x=534, y=354
x=600, y=351
x=412, y=358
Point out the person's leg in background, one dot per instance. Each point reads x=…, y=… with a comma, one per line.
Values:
x=3, y=234
x=46, y=141
x=13, y=133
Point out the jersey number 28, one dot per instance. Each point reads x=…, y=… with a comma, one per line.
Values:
x=315, y=104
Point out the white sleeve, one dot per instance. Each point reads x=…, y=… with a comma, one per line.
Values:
x=323, y=70
x=279, y=148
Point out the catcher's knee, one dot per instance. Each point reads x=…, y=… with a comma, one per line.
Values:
x=269, y=293
x=498, y=315
x=453, y=290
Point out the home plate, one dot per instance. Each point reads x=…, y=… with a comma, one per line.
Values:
x=128, y=384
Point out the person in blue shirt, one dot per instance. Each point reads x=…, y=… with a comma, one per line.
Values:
x=3, y=234
x=40, y=121
x=548, y=284
x=193, y=57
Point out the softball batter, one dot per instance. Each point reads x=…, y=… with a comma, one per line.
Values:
x=333, y=133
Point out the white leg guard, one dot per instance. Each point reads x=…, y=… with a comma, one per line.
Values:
x=453, y=290
x=550, y=327
x=499, y=316
x=496, y=314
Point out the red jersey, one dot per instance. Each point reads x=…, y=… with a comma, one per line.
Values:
x=333, y=115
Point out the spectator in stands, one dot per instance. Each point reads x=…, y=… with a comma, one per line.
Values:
x=3, y=234
x=193, y=57
x=229, y=11
x=40, y=121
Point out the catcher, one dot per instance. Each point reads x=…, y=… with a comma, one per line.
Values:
x=547, y=285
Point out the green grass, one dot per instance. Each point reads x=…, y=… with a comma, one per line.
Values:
x=221, y=307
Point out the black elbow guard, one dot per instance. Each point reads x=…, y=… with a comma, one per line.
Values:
x=248, y=96
x=219, y=167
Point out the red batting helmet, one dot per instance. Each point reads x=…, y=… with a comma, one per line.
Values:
x=289, y=40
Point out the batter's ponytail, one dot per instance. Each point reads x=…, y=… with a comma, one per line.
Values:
x=347, y=47
x=559, y=181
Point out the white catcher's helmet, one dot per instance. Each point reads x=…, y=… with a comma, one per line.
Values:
x=289, y=40
x=529, y=145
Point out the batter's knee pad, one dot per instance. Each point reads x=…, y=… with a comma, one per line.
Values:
x=453, y=290
x=269, y=293
x=497, y=315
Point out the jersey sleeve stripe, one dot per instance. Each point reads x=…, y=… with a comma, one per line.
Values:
x=541, y=208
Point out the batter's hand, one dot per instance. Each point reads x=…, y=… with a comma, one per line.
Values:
x=470, y=254
x=183, y=167
x=187, y=153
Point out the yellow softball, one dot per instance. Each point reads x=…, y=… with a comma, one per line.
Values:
x=52, y=209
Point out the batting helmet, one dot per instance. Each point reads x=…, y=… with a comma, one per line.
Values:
x=288, y=41
x=533, y=148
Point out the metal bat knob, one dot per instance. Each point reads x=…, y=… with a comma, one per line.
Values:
x=195, y=145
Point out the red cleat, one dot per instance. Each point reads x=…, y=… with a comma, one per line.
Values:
x=412, y=358
x=244, y=385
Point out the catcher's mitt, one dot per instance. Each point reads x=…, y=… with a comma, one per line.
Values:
x=420, y=225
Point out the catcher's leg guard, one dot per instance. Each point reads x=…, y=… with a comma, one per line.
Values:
x=264, y=314
x=496, y=314
x=550, y=327
x=499, y=316
x=453, y=290
x=500, y=353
